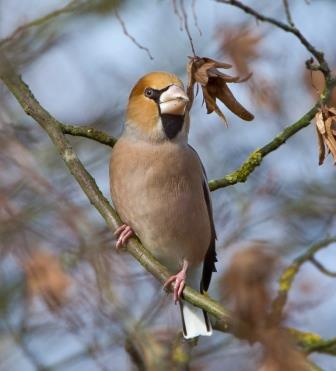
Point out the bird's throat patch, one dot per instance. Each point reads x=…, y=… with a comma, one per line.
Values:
x=172, y=124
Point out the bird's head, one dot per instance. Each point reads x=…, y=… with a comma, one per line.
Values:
x=157, y=108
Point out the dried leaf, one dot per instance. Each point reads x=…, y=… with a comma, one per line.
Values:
x=245, y=284
x=321, y=147
x=325, y=120
x=241, y=45
x=315, y=82
x=46, y=279
x=214, y=86
x=264, y=94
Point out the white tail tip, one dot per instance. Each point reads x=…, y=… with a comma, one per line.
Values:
x=195, y=321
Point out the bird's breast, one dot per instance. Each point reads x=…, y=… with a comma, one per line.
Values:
x=157, y=190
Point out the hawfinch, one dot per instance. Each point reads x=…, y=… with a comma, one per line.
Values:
x=160, y=191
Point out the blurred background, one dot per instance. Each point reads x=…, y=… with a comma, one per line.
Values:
x=68, y=300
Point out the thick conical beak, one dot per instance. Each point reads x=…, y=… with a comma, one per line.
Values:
x=173, y=101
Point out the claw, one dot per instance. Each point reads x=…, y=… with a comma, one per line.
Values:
x=124, y=233
x=179, y=280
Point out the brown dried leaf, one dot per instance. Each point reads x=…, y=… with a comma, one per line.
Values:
x=264, y=94
x=241, y=45
x=325, y=120
x=315, y=82
x=46, y=279
x=321, y=147
x=245, y=284
x=214, y=86
x=224, y=94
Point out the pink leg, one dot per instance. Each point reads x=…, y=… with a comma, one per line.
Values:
x=179, y=280
x=124, y=233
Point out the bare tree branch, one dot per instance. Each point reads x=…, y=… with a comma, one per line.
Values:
x=287, y=28
x=40, y=21
x=255, y=158
x=288, y=13
x=288, y=275
x=132, y=38
x=321, y=267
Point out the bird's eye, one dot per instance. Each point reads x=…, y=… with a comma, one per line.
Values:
x=149, y=92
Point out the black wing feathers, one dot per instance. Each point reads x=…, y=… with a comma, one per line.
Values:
x=210, y=257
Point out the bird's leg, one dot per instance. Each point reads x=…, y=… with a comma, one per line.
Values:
x=124, y=233
x=179, y=280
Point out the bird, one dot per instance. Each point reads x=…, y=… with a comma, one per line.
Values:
x=159, y=188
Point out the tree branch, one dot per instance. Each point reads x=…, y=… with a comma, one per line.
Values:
x=88, y=132
x=288, y=275
x=54, y=129
x=321, y=267
x=287, y=28
x=40, y=21
x=255, y=158
x=288, y=13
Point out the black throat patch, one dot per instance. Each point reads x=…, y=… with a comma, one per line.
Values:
x=172, y=124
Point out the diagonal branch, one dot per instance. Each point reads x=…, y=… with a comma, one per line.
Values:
x=285, y=27
x=255, y=158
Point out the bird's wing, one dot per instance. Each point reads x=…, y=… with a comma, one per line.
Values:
x=210, y=257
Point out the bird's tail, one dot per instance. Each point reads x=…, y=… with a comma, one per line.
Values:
x=195, y=321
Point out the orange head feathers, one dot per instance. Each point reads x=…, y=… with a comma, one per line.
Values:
x=156, y=107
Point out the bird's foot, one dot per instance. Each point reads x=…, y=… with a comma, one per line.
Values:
x=124, y=233
x=179, y=280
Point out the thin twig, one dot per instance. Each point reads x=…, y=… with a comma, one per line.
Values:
x=324, y=67
x=176, y=11
x=288, y=13
x=321, y=267
x=39, y=21
x=123, y=26
x=193, y=8
x=186, y=27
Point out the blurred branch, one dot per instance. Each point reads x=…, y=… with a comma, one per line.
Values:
x=40, y=21
x=288, y=275
x=311, y=342
x=88, y=132
x=287, y=28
